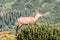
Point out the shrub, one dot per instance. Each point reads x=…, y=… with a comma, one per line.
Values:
x=7, y=36
x=39, y=32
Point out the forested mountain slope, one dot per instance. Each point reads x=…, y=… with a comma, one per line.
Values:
x=10, y=10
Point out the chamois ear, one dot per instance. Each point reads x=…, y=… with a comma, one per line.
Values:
x=37, y=12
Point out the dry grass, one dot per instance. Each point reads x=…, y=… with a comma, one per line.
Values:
x=7, y=36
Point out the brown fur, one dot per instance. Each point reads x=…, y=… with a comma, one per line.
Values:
x=27, y=20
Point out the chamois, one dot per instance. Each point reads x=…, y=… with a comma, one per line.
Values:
x=27, y=20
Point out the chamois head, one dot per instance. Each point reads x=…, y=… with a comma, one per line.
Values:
x=38, y=14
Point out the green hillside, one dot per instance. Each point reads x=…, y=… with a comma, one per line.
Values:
x=10, y=10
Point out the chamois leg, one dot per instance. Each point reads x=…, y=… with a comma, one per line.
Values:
x=18, y=29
